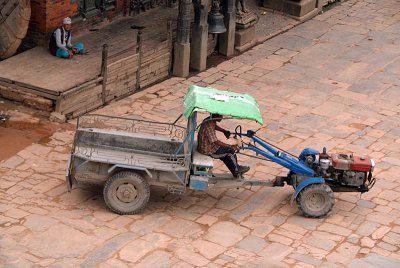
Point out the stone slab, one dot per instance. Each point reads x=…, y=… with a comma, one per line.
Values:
x=226, y=233
x=244, y=36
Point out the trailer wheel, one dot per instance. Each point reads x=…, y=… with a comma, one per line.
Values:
x=316, y=200
x=126, y=193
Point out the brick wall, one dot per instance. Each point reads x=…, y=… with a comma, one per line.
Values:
x=48, y=14
x=37, y=24
x=38, y=16
x=56, y=10
x=120, y=6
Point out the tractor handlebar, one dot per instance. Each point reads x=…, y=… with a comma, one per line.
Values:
x=238, y=132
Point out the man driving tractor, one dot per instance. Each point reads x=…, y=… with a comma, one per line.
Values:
x=209, y=144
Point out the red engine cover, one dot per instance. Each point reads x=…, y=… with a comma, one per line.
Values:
x=351, y=162
x=361, y=163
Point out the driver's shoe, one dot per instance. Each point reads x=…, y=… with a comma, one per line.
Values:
x=243, y=169
x=279, y=181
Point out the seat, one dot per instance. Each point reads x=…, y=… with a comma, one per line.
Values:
x=201, y=160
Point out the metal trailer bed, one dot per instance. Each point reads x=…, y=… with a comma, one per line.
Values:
x=105, y=147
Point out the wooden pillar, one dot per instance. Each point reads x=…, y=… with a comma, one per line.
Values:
x=170, y=46
x=182, y=44
x=104, y=62
x=139, y=51
x=227, y=39
x=198, y=46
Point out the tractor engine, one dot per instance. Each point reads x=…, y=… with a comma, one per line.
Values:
x=346, y=169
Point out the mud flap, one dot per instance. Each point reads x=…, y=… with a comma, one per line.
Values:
x=303, y=184
x=198, y=183
x=68, y=175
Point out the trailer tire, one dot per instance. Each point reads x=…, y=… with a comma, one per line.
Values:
x=126, y=193
x=315, y=200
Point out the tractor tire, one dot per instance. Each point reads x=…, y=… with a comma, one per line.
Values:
x=14, y=22
x=126, y=193
x=315, y=200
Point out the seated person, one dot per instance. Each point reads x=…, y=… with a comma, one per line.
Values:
x=209, y=144
x=60, y=42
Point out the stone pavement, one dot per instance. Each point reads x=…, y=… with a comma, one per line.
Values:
x=333, y=81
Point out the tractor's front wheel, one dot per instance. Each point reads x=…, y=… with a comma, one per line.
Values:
x=316, y=200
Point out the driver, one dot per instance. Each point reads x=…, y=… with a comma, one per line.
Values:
x=209, y=144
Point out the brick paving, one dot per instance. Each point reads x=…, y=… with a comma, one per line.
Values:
x=332, y=81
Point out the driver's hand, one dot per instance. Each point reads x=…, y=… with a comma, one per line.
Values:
x=227, y=133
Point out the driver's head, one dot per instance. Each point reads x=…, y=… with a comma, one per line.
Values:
x=217, y=117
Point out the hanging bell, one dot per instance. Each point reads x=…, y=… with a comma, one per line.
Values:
x=216, y=20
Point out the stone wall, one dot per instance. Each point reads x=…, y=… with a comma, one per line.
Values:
x=20, y=94
x=155, y=64
x=121, y=77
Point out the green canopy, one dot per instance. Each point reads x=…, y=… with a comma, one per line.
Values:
x=221, y=102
